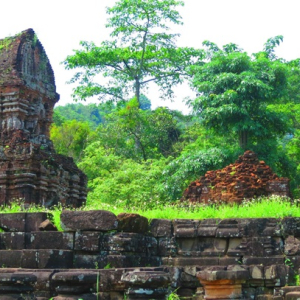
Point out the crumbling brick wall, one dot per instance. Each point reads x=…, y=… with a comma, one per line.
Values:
x=247, y=178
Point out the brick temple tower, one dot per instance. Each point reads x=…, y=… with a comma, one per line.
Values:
x=29, y=167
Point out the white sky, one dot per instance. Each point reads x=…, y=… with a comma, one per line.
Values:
x=61, y=24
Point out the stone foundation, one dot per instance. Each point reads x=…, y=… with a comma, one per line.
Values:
x=211, y=259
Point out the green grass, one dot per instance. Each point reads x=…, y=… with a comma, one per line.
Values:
x=264, y=207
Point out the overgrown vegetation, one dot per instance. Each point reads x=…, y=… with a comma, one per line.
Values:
x=264, y=207
x=132, y=154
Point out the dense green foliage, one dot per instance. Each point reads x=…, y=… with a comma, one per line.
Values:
x=136, y=156
x=235, y=90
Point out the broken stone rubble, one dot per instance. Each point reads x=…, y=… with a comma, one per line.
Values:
x=247, y=178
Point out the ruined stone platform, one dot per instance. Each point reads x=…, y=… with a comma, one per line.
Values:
x=200, y=259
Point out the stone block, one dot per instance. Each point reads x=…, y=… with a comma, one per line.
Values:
x=42, y=286
x=102, y=296
x=88, y=241
x=30, y=259
x=290, y=226
x=292, y=245
x=185, y=228
x=47, y=225
x=292, y=295
x=110, y=280
x=13, y=222
x=87, y=261
x=129, y=222
x=257, y=272
x=33, y=221
x=167, y=246
x=190, y=261
x=10, y=258
x=188, y=246
x=276, y=275
x=262, y=227
x=228, y=228
x=52, y=259
x=12, y=240
x=225, y=261
x=208, y=227
x=188, y=281
x=119, y=242
x=47, y=259
x=161, y=228
x=262, y=246
x=235, y=247
x=99, y=220
x=212, y=246
x=146, y=278
x=49, y=240
x=265, y=261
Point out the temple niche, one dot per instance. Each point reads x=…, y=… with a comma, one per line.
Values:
x=29, y=167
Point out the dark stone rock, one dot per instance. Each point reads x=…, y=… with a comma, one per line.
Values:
x=208, y=227
x=130, y=222
x=98, y=220
x=292, y=246
x=190, y=261
x=117, y=243
x=13, y=222
x=50, y=240
x=185, y=228
x=51, y=259
x=167, y=246
x=228, y=228
x=33, y=221
x=88, y=241
x=161, y=228
x=266, y=261
x=47, y=225
x=10, y=258
x=12, y=240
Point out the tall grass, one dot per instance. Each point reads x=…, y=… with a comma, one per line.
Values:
x=264, y=207
x=275, y=206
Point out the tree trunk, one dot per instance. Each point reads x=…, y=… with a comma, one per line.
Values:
x=243, y=139
x=137, y=91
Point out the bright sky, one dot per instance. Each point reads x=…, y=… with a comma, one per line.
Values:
x=61, y=24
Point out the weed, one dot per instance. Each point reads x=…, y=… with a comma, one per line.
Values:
x=108, y=266
x=288, y=262
x=173, y=295
x=297, y=280
x=98, y=279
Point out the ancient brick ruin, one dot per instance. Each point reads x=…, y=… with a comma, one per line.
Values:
x=101, y=256
x=247, y=178
x=29, y=167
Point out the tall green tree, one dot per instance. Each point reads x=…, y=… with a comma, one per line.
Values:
x=141, y=50
x=139, y=134
x=71, y=138
x=235, y=90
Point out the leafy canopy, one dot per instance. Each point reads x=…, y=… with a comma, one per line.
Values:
x=141, y=50
x=235, y=90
